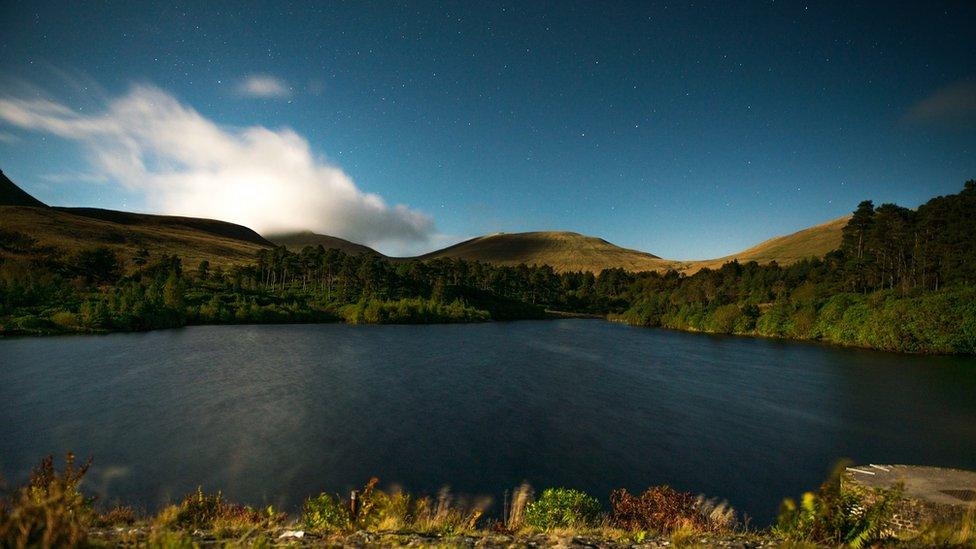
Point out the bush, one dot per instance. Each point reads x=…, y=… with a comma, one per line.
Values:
x=664, y=509
x=49, y=511
x=65, y=319
x=562, y=507
x=325, y=513
x=117, y=516
x=211, y=511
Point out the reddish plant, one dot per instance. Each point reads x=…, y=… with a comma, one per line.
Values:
x=664, y=509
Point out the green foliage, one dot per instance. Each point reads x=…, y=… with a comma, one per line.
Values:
x=326, y=513
x=562, y=507
x=410, y=311
x=832, y=516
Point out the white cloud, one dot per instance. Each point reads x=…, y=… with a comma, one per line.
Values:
x=184, y=163
x=265, y=86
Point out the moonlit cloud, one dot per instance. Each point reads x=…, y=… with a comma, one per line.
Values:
x=953, y=105
x=264, y=86
x=186, y=164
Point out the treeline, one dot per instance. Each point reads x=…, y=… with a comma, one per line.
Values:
x=47, y=290
x=902, y=281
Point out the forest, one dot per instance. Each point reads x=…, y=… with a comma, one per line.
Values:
x=903, y=280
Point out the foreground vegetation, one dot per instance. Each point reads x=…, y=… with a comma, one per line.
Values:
x=903, y=280
x=50, y=510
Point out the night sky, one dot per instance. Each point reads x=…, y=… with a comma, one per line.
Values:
x=686, y=130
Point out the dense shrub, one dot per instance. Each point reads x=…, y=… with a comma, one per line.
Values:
x=211, y=511
x=562, y=507
x=326, y=513
x=664, y=509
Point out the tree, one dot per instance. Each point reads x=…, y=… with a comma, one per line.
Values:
x=173, y=292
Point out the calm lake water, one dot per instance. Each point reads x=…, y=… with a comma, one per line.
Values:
x=272, y=414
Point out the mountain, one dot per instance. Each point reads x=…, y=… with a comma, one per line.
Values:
x=298, y=240
x=564, y=251
x=223, y=243
x=71, y=229
x=12, y=195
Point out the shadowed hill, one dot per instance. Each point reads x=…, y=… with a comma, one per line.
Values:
x=222, y=229
x=12, y=195
x=296, y=241
x=563, y=251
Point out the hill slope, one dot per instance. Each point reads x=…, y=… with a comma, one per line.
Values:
x=816, y=241
x=71, y=232
x=72, y=229
x=564, y=251
x=296, y=241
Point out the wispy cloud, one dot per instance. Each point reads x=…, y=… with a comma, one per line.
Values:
x=184, y=163
x=953, y=105
x=8, y=138
x=264, y=86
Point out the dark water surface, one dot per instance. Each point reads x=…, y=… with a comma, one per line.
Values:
x=271, y=414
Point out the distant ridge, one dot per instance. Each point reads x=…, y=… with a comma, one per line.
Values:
x=298, y=240
x=12, y=195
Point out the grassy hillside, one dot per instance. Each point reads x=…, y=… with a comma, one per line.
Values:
x=815, y=241
x=70, y=232
x=296, y=241
x=564, y=251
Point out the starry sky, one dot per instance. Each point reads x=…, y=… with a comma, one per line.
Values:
x=689, y=130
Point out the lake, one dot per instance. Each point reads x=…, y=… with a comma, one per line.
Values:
x=275, y=413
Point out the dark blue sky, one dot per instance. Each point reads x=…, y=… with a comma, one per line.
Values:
x=685, y=130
